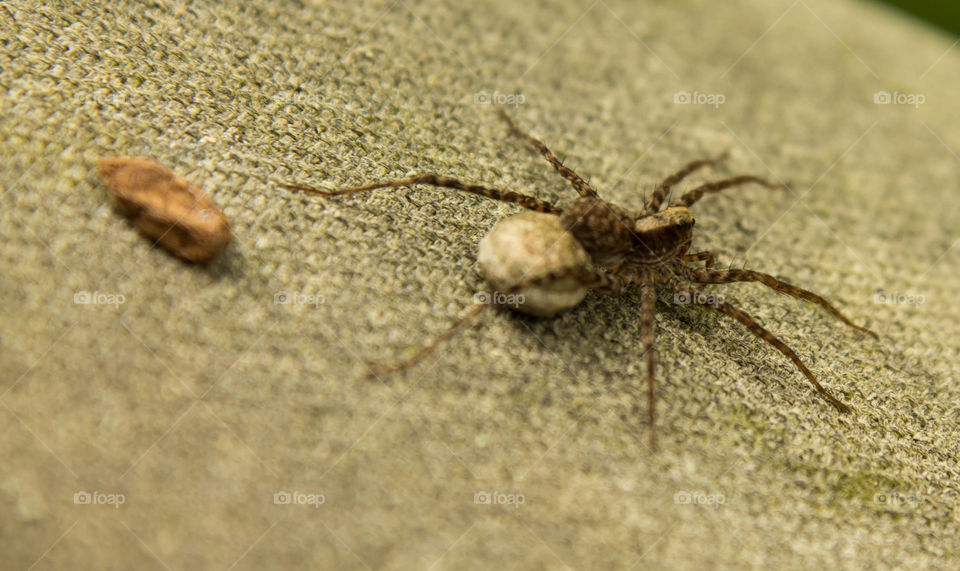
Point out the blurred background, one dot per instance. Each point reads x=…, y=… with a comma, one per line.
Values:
x=944, y=14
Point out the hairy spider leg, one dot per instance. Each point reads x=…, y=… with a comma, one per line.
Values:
x=581, y=186
x=739, y=275
x=528, y=202
x=648, y=307
x=466, y=318
x=660, y=193
x=707, y=258
x=697, y=193
x=604, y=282
x=755, y=328
x=601, y=281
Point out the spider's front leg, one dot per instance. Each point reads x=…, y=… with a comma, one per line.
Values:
x=706, y=257
x=710, y=276
x=660, y=193
x=694, y=297
x=696, y=194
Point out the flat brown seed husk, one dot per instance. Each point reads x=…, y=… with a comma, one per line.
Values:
x=166, y=207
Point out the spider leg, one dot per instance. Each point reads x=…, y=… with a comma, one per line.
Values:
x=759, y=331
x=696, y=194
x=648, y=307
x=705, y=257
x=581, y=186
x=406, y=364
x=604, y=282
x=735, y=275
x=660, y=193
x=528, y=202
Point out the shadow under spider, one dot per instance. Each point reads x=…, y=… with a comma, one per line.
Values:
x=646, y=250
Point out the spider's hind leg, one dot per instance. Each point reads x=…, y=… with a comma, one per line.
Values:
x=582, y=187
x=466, y=318
x=526, y=201
x=606, y=283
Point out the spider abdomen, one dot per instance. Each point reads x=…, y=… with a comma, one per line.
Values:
x=604, y=230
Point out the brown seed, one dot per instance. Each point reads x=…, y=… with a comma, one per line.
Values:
x=167, y=208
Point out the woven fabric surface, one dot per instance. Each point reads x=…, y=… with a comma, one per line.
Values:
x=189, y=403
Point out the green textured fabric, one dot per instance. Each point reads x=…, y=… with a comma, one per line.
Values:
x=200, y=397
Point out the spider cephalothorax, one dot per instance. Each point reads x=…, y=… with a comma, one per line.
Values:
x=663, y=235
x=544, y=261
x=611, y=235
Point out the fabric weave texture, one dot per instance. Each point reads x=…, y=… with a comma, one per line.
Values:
x=229, y=404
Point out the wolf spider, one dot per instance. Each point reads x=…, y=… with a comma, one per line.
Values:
x=646, y=250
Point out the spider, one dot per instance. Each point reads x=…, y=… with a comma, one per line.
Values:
x=615, y=249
